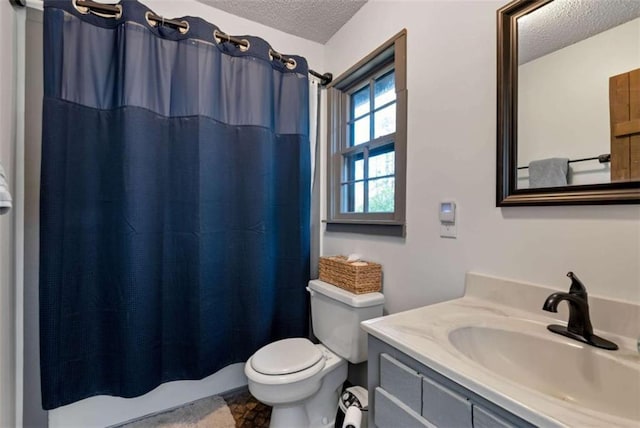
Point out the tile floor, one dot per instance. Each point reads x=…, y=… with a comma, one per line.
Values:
x=247, y=411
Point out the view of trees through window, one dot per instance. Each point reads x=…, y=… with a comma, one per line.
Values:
x=370, y=169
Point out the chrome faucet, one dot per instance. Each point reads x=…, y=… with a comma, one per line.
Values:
x=579, y=326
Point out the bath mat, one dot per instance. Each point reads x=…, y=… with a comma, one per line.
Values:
x=210, y=412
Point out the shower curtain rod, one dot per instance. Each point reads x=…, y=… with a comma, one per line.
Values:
x=601, y=158
x=325, y=78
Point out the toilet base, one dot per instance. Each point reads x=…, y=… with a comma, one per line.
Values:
x=289, y=416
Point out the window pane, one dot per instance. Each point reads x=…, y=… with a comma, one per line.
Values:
x=381, y=164
x=385, y=89
x=353, y=167
x=381, y=195
x=385, y=121
x=360, y=131
x=353, y=197
x=360, y=102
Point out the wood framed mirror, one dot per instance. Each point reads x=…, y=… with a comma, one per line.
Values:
x=568, y=116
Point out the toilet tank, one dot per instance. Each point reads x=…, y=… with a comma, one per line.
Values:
x=336, y=315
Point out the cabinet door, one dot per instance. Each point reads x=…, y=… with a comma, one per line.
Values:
x=392, y=413
x=401, y=381
x=443, y=407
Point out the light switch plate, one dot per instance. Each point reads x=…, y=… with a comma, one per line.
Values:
x=448, y=230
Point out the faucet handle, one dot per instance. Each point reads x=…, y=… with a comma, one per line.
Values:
x=577, y=287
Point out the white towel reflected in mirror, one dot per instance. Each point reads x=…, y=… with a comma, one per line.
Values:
x=550, y=172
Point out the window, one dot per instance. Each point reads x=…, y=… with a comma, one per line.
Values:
x=367, y=143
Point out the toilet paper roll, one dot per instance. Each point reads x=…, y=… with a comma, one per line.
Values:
x=352, y=418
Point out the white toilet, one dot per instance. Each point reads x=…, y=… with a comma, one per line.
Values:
x=302, y=381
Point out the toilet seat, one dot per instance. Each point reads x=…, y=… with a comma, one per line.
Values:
x=303, y=375
x=285, y=357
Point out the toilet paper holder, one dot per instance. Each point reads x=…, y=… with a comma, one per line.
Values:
x=354, y=403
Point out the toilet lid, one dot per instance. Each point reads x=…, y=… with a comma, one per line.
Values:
x=285, y=357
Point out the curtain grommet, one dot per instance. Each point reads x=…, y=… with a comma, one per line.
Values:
x=151, y=22
x=216, y=37
x=82, y=9
x=184, y=30
x=118, y=14
x=85, y=10
x=219, y=37
x=291, y=64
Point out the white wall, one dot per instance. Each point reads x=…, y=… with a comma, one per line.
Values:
x=102, y=410
x=452, y=155
x=563, y=101
x=8, y=23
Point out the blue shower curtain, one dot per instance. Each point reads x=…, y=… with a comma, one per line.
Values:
x=174, y=202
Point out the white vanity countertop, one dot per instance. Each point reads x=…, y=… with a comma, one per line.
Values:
x=423, y=334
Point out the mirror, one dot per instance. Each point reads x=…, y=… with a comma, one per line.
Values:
x=568, y=102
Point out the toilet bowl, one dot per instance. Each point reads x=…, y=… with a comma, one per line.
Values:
x=300, y=397
x=302, y=381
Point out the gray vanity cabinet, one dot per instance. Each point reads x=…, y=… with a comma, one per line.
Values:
x=401, y=381
x=393, y=413
x=444, y=407
x=406, y=394
x=483, y=418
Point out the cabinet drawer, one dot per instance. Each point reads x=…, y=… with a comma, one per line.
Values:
x=392, y=413
x=483, y=418
x=401, y=381
x=443, y=407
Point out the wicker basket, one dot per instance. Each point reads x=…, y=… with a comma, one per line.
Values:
x=356, y=278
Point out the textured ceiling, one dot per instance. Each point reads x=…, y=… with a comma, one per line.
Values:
x=315, y=20
x=564, y=22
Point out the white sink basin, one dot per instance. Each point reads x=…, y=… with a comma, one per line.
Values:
x=556, y=367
